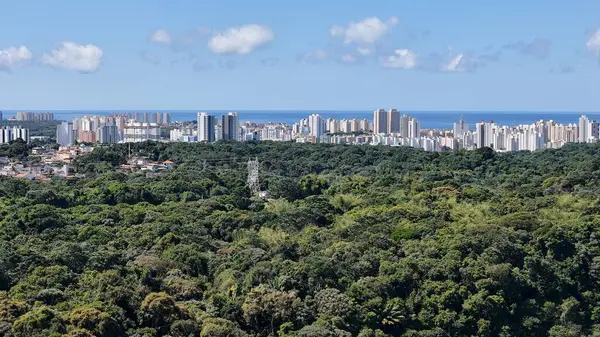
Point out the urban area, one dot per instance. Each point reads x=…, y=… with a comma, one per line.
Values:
x=389, y=127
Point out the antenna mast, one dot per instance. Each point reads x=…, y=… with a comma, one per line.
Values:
x=253, y=182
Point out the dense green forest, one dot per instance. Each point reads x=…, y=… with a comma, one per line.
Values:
x=353, y=241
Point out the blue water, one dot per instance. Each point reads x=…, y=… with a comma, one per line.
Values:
x=428, y=119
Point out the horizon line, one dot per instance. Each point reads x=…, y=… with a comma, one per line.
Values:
x=294, y=110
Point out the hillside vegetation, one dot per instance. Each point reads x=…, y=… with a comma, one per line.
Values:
x=353, y=241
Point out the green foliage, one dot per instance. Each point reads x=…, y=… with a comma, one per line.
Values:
x=351, y=241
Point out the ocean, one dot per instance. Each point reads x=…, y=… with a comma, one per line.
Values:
x=428, y=119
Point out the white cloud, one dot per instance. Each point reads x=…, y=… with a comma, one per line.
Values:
x=455, y=64
x=72, y=56
x=349, y=58
x=364, y=51
x=593, y=44
x=366, y=31
x=13, y=57
x=402, y=59
x=463, y=63
x=161, y=36
x=242, y=40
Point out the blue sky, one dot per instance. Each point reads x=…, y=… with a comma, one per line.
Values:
x=264, y=54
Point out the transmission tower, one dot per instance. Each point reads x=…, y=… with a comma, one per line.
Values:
x=253, y=183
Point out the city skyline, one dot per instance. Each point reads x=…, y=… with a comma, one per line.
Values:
x=387, y=127
x=509, y=56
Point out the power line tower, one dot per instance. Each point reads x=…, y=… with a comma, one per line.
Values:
x=253, y=183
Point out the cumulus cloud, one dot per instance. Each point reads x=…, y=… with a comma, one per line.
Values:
x=593, y=44
x=313, y=56
x=13, y=57
x=402, y=59
x=242, y=40
x=72, y=56
x=161, y=36
x=367, y=31
x=539, y=47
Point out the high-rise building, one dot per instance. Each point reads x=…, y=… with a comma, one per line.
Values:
x=315, y=125
x=108, y=134
x=9, y=134
x=186, y=134
x=380, y=121
x=588, y=130
x=140, y=132
x=480, y=131
x=404, y=122
x=354, y=126
x=460, y=128
x=1, y=115
x=166, y=118
x=206, y=127
x=364, y=125
x=64, y=134
x=87, y=137
x=490, y=130
x=332, y=126
x=35, y=116
x=230, y=126
x=414, y=128
x=393, y=121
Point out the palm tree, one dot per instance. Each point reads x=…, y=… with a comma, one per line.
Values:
x=391, y=315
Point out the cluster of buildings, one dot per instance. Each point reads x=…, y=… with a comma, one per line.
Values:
x=162, y=118
x=524, y=137
x=128, y=128
x=279, y=132
x=391, y=128
x=28, y=116
x=388, y=127
x=209, y=128
x=502, y=138
x=11, y=133
x=48, y=163
x=143, y=164
x=311, y=129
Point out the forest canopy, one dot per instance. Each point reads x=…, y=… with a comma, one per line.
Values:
x=351, y=241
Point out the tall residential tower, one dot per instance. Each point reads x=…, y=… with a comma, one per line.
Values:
x=206, y=127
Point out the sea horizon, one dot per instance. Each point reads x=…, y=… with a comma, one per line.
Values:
x=429, y=119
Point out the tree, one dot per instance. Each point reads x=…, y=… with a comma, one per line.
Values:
x=265, y=310
x=159, y=311
x=218, y=327
x=95, y=321
x=40, y=322
x=285, y=188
